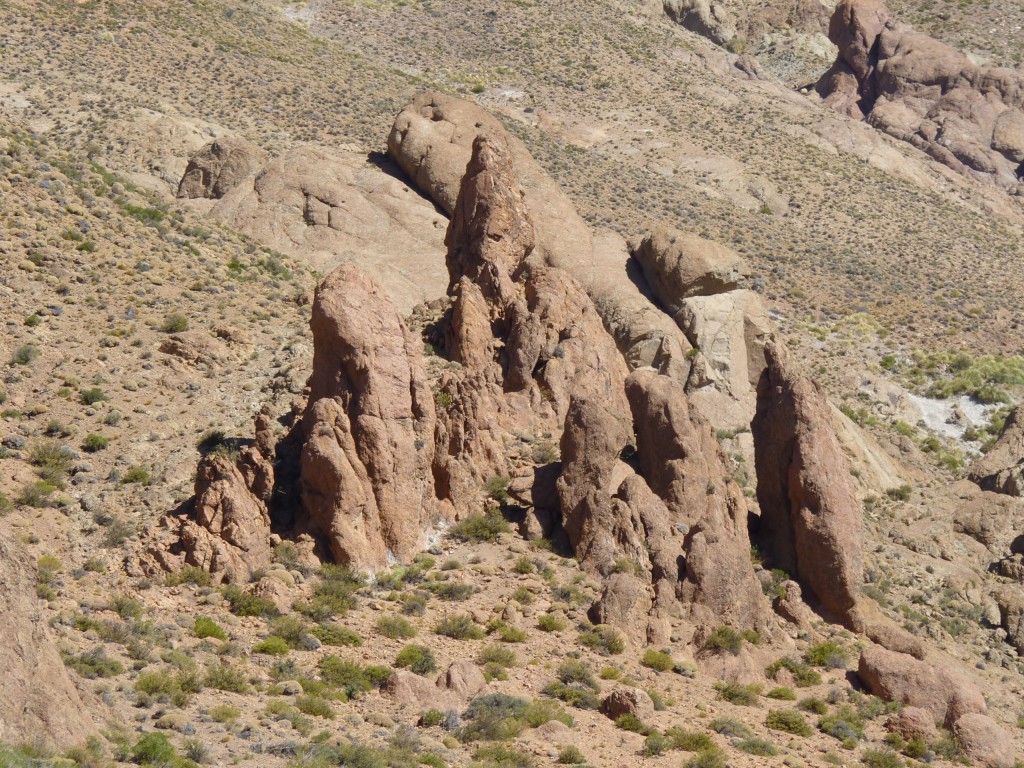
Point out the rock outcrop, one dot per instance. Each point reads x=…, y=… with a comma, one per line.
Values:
x=366, y=456
x=39, y=700
x=1001, y=470
x=219, y=167
x=327, y=205
x=811, y=524
x=678, y=266
x=922, y=91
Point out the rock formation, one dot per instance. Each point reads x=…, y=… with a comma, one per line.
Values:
x=39, y=700
x=1002, y=469
x=811, y=524
x=325, y=205
x=922, y=91
x=219, y=167
x=365, y=466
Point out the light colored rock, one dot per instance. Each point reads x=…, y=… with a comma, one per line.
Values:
x=1001, y=470
x=463, y=679
x=219, y=167
x=913, y=722
x=628, y=701
x=984, y=741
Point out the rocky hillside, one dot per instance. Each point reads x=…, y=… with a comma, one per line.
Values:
x=565, y=389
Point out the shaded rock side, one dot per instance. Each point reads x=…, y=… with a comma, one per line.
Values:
x=1001, y=470
x=365, y=464
x=811, y=524
x=219, y=167
x=39, y=700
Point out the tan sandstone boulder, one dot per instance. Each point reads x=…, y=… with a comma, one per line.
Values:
x=219, y=167
x=984, y=741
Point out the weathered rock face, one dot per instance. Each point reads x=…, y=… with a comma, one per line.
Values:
x=945, y=693
x=1002, y=469
x=327, y=205
x=921, y=91
x=39, y=700
x=984, y=741
x=627, y=701
x=678, y=266
x=811, y=524
x=219, y=167
x=365, y=467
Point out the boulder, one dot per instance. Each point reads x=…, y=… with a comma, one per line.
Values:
x=625, y=603
x=984, y=741
x=628, y=701
x=39, y=699
x=811, y=524
x=1011, y=614
x=945, y=693
x=219, y=167
x=365, y=464
x=463, y=679
x=678, y=266
x=913, y=722
x=1001, y=470
x=708, y=18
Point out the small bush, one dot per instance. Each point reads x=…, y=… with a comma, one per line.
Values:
x=315, y=707
x=497, y=655
x=225, y=713
x=138, y=475
x=828, y=654
x=37, y=494
x=551, y=622
x=788, y=721
x=757, y=746
x=804, y=676
x=570, y=755
x=656, y=744
x=153, y=749
x=731, y=727
x=94, y=443
x=881, y=758
x=813, y=705
x=188, y=575
x=24, y=355
x=509, y=634
x=603, y=639
x=500, y=756
x=335, y=594
x=452, y=591
x=575, y=695
x=479, y=528
x=738, y=693
x=395, y=627
x=709, y=758
x=272, y=646
x=657, y=660
x=844, y=724
x=782, y=694
x=542, y=711
x=347, y=676
x=174, y=323
x=332, y=634
x=92, y=396
x=225, y=677
x=93, y=664
x=690, y=741
x=459, y=627
x=494, y=717
x=724, y=640
x=576, y=672
x=245, y=604
x=416, y=658
x=207, y=627
x=629, y=722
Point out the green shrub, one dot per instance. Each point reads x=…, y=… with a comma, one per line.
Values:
x=245, y=604
x=494, y=717
x=509, y=634
x=416, y=658
x=828, y=654
x=573, y=671
x=395, y=627
x=51, y=461
x=189, y=574
x=757, y=746
x=335, y=593
x=431, y=717
x=24, y=355
x=724, y=640
x=225, y=677
x=656, y=743
x=524, y=565
x=497, y=655
x=94, y=443
x=603, y=639
x=804, y=676
x=93, y=664
x=738, y=693
x=225, y=713
x=207, y=627
x=92, y=396
x=332, y=634
x=630, y=722
x=844, y=724
x=459, y=627
x=347, y=676
x=138, y=475
x=272, y=646
x=881, y=758
x=479, y=528
x=452, y=591
x=570, y=755
x=813, y=705
x=657, y=660
x=314, y=706
x=551, y=622
x=544, y=710
x=709, y=758
x=174, y=323
x=575, y=695
x=731, y=727
x=500, y=756
x=782, y=694
x=690, y=741
x=789, y=721
x=6, y=505
x=153, y=749
x=36, y=494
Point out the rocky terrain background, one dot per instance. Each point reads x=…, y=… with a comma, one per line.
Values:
x=575, y=384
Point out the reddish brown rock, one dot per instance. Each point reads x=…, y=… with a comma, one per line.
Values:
x=1001, y=470
x=219, y=167
x=913, y=722
x=39, y=700
x=365, y=462
x=811, y=524
x=946, y=694
x=628, y=701
x=984, y=741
